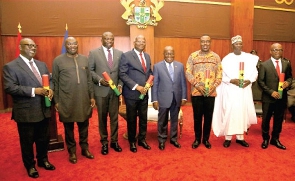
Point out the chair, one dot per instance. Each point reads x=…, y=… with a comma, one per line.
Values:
x=152, y=114
x=257, y=92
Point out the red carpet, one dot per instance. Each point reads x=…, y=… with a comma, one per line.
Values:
x=218, y=163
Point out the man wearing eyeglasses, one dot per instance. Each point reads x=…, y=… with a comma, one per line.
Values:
x=274, y=76
x=22, y=80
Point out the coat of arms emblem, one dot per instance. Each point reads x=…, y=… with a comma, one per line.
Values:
x=142, y=15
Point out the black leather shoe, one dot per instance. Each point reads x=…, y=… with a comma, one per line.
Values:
x=277, y=143
x=144, y=145
x=47, y=165
x=226, y=143
x=195, y=144
x=133, y=147
x=175, y=143
x=243, y=143
x=162, y=146
x=104, y=149
x=87, y=154
x=32, y=172
x=116, y=147
x=264, y=144
x=207, y=144
x=73, y=158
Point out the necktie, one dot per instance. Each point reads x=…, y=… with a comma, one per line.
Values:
x=142, y=62
x=110, y=59
x=35, y=72
x=171, y=71
x=278, y=68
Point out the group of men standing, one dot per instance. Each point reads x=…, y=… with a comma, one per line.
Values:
x=219, y=93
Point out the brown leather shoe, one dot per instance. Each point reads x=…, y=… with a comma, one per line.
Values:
x=87, y=154
x=73, y=158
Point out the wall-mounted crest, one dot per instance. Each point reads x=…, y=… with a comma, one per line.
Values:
x=141, y=14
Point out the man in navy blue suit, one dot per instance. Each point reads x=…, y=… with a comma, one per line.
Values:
x=22, y=80
x=134, y=71
x=168, y=94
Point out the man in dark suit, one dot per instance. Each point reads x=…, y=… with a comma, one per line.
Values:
x=168, y=94
x=22, y=80
x=134, y=71
x=106, y=59
x=272, y=102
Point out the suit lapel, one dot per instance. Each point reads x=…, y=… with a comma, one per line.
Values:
x=26, y=68
x=103, y=56
x=284, y=66
x=272, y=67
x=116, y=58
x=164, y=67
x=137, y=62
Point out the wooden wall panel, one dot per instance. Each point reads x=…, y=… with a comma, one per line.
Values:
x=242, y=15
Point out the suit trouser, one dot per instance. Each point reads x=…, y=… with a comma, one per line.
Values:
x=202, y=106
x=136, y=108
x=277, y=110
x=30, y=133
x=163, y=121
x=70, y=137
x=108, y=105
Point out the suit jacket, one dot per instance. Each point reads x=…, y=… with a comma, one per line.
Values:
x=164, y=87
x=268, y=79
x=98, y=64
x=18, y=82
x=131, y=73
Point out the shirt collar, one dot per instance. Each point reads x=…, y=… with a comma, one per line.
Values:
x=25, y=59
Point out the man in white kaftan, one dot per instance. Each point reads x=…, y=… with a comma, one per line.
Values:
x=234, y=109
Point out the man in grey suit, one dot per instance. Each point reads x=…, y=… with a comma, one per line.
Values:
x=106, y=59
x=134, y=71
x=272, y=103
x=22, y=80
x=168, y=94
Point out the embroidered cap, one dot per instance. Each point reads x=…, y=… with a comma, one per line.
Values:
x=236, y=39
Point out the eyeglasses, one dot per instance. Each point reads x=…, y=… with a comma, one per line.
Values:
x=72, y=44
x=169, y=54
x=31, y=45
x=277, y=50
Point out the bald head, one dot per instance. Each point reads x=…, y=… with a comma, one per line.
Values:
x=71, y=45
x=169, y=54
x=139, y=43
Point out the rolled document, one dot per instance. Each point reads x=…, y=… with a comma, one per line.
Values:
x=280, y=88
x=207, y=82
x=45, y=82
x=241, y=75
x=111, y=83
x=147, y=86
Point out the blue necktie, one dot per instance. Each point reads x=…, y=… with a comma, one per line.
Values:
x=171, y=71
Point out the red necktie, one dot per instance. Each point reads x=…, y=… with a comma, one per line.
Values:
x=278, y=68
x=34, y=70
x=142, y=62
x=110, y=59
